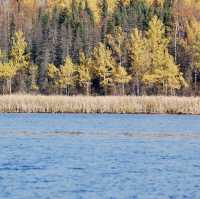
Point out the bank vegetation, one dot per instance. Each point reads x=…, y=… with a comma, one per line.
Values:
x=99, y=104
x=100, y=47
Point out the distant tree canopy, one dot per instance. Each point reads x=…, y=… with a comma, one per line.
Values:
x=100, y=47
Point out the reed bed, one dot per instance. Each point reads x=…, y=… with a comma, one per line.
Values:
x=108, y=104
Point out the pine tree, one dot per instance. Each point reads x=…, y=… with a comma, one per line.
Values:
x=163, y=72
x=18, y=52
x=193, y=48
x=104, y=65
x=7, y=72
x=85, y=72
x=53, y=74
x=2, y=55
x=104, y=18
x=32, y=78
x=44, y=50
x=67, y=75
x=195, y=64
x=118, y=43
x=139, y=57
x=121, y=78
x=19, y=58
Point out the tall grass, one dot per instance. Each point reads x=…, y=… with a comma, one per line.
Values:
x=109, y=104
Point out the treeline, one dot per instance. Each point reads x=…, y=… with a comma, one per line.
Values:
x=100, y=47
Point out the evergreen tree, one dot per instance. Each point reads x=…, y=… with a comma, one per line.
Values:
x=32, y=78
x=139, y=58
x=18, y=52
x=85, y=72
x=104, y=16
x=7, y=72
x=53, y=74
x=193, y=48
x=118, y=44
x=19, y=58
x=104, y=64
x=163, y=72
x=67, y=75
x=121, y=78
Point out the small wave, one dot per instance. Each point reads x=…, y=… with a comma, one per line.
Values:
x=20, y=168
x=160, y=136
x=128, y=135
x=76, y=168
x=73, y=133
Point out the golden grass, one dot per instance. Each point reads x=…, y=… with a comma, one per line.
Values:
x=109, y=104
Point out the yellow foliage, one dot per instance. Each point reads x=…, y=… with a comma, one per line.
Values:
x=94, y=5
x=150, y=2
x=29, y=3
x=52, y=71
x=192, y=43
x=18, y=56
x=60, y=3
x=104, y=64
x=120, y=75
x=118, y=42
x=162, y=71
x=67, y=73
x=7, y=71
x=2, y=55
x=84, y=70
x=138, y=53
x=191, y=2
x=193, y=30
x=53, y=74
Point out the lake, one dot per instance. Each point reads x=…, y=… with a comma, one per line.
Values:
x=79, y=156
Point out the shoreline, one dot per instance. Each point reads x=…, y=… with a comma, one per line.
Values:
x=100, y=104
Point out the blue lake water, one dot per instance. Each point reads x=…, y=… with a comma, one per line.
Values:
x=79, y=156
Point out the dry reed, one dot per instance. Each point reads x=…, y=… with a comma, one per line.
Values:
x=109, y=104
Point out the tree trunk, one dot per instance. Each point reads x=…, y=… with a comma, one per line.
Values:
x=67, y=90
x=172, y=92
x=175, y=41
x=88, y=88
x=9, y=86
x=106, y=90
x=166, y=89
x=115, y=92
x=133, y=89
x=195, y=81
x=138, y=85
x=3, y=88
x=123, y=89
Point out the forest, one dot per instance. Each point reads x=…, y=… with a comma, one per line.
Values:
x=100, y=47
